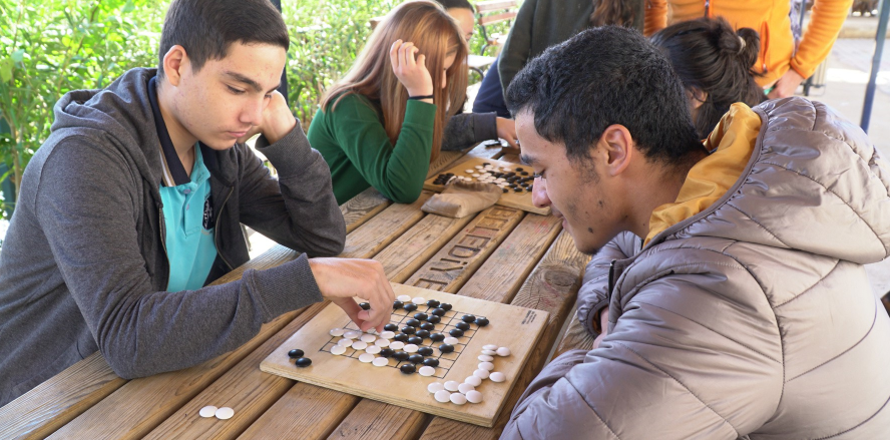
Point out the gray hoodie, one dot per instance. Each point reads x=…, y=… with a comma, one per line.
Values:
x=83, y=267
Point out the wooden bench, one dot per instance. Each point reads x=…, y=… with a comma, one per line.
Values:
x=489, y=12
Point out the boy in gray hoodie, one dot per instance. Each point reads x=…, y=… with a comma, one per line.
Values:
x=135, y=203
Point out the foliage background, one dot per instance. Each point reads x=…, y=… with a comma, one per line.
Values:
x=49, y=47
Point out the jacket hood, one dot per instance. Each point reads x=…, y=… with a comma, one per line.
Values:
x=110, y=113
x=813, y=182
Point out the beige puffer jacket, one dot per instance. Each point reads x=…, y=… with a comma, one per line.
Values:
x=752, y=317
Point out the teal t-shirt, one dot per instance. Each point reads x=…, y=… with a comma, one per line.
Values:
x=187, y=214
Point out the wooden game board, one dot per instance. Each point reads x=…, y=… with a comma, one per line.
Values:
x=510, y=199
x=517, y=328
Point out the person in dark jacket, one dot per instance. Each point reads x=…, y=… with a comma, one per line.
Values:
x=134, y=204
x=726, y=290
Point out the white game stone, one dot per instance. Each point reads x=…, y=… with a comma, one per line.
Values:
x=435, y=387
x=388, y=335
x=338, y=349
x=337, y=331
x=486, y=366
x=451, y=385
x=366, y=358
x=359, y=345
x=482, y=357
x=207, y=411
x=474, y=396
x=442, y=396
x=481, y=374
x=352, y=334
x=473, y=380
x=458, y=399
x=368, y=338
x=404, y=298
x=451, y=340
x=503, y=351
x=476, y=175
x=489, y=352
x=464, y=388
x=418, y=300
x=497, y=376
x=382, y=342
x=380, y=361
x=345, y=342
x=469, y=171
x=479, y=167
x=224, y=413
x=411, y=348
x=374, y=349
x=427, y=370
x=490, y=347
x=396, y=345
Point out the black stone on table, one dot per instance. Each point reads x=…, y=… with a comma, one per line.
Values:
x=425, y=351
x=456, y=332
x=402, y=337
x=438, y=311
x=408, y=329
x=400, y=355
x=387, y=352
x=415, y=358
x=413, y=322
x=391, y=327
x=303, y=362
x=436, y=337
x=295, y=353
x=422, y=334
x=433, y=319
x=481, y=321
x=416, y=340
x=468, y=318
x=428, y=326
x=445, y=306
x=410, y=307
x=407, y=368
x=432, y=303
x=421, y=316
x=431, y=362
x=397, y=304
x=446, y=348
x=462, y=325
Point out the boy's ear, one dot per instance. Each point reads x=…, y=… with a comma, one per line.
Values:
x=175, y=61
x=617, y=148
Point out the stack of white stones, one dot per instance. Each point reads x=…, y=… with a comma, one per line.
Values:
x=461, y=393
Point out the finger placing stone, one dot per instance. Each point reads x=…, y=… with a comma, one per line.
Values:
x=503, y=351
x=465, y=387
x=458, y=398
x=366, y=357
x=481, y=374
x=486, y=366
x=210, y=411
x=443, y=396
x=474, y=396
x=473, y=380
x=380, y=362
x=426, y=371
x=338, y=349
x=451, y=385
x=225, y=412
x=497, y=376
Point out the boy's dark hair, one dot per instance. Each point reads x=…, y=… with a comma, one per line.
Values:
x=206, y=28
x=604, y=76
x=459, y=4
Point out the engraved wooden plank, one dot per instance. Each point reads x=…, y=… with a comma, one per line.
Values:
x=243, y=388
x=380, y=231
x=362, y=207
x=58, y=400
x=553, y=287
x=417, y=245
x=374, y=420
x=304, y=412
x=449, y=268
x=520, y=200
x=503, y=273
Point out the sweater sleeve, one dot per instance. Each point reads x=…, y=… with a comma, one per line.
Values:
x=467, y=129
x=664, y=371
x=298, y=209
x=656, y=16
x=820, y=35
x=594, y=294
x=397, y=171
x=88, y=206
x=516, y=50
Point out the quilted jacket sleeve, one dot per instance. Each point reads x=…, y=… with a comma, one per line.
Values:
x=593, y=295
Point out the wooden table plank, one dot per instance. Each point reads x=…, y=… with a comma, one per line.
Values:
x=362, y=207
x=243, y=388
x=410, y=251
x=552, y=287
x=378, y=232
x=504, y=272
x=71, y=392
x=305, y=412
x=576, y=337
x=375, y=420
x=449, y=268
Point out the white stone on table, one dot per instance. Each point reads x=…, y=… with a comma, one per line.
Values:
x=382, y=342
x=366, y=357
x=411, y=348
x=435, y=387
x=497, y=376
x=465, y=387
x=359, y=345
x=345, y=342
x=418, y=300
x=458, y=398
x=337, y=331
x=490, y=347
x=427, y=370
x=451, y=340
x=404, y=298
x=396, y=345
x=380, y=361
x=474, y=396
x=368, y=338
x=482, y=357
x=224, y=413
x=489, y=352
x=486, y=366
x=387, y=334
x=443, y=396
x=208, y=411
x=473, y=380
x=503, y=351
x=338, y=349
x=373, y=349
x=451, y=385
x=352, y=334
x=481, y=374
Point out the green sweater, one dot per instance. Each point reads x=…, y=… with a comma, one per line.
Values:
x=353, y=142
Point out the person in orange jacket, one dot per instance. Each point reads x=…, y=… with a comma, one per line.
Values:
x=782, y=67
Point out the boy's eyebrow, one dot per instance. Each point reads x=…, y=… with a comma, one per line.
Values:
x=243, y=79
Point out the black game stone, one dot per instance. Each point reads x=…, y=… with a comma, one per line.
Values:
x=446, y=348
x=428, y=326
x=387, y=352
x=413, y=322
x=303, y=362
x=407, y=368
x=295, y=353
x=431, y=362
x=456, y=332
x=400, y=355
x=415, y=358
x=390, y=327
x=481, y=322
x=421, y=316
x=416, y=340
x=462, y=325
x=422, y=334
x=410, y=307
x=432, y=303
x=468, y=318
x=408, y=330
x=365, y=305
x=425, y=351
x=397, y=305
x=438, y=311
x=401, y=337
x=436, y=337
x=445, y=306
x=433, y=319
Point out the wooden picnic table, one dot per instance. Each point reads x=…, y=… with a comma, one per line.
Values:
x=527, y=260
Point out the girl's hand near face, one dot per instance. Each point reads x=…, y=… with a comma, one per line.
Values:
x=410, y=69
